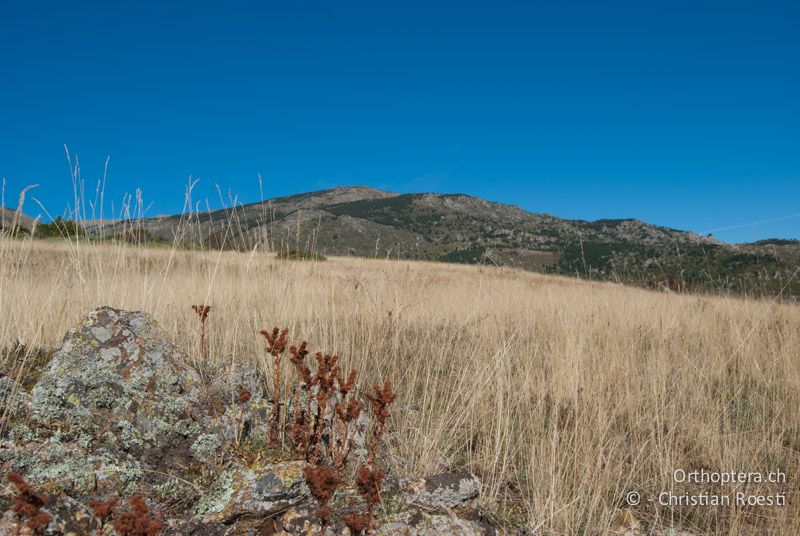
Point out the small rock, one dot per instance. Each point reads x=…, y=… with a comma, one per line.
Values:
x=444, y=491
x=417, y=523
x=263, y=493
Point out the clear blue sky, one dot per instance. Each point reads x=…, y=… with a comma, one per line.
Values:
x=685, y=114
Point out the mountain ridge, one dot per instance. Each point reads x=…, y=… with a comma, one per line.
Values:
x=457, y=227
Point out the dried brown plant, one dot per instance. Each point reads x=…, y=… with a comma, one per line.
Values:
x=381, y=401
x=103, y=511
x=309, y=423
x=357, y=523
x=298, y=360
x=202, y=313
x=322, y=481
x=324, y=439
x=299, y=430
x=137, y=520
x=347, y=413
x=324, y=380
x=369, y=482
x=276, y=345
x=28, y=503
x=346, y=386
x=369, y=479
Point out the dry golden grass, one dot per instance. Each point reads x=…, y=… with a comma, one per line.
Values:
x=563, y=395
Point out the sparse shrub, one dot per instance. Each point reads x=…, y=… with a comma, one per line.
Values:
x=59, y=228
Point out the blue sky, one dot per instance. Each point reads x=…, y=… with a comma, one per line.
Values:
x=684, y=114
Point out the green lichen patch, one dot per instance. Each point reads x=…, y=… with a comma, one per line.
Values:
x=206, y=446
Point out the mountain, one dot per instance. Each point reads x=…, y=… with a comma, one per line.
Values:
x=460, y=228
x=7, y=219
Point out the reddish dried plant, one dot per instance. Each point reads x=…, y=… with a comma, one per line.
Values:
x=324, y=380
x=244, y=395
x=308, y=426
x=324, y=441
x=298, y=431
x=103, y=510
x=381, y=401
x=298, y=360
x=325, y=386
x=202, y=313
x=369, y=479
x=346, y=386
x=347, y=413
x=322, y=482
x=369, y=482
x=28, y=503
x=276, y=345
x=357, y=523
x=137, y=520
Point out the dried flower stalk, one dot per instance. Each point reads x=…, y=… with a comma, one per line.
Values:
x=202, y=313
x=276, y=345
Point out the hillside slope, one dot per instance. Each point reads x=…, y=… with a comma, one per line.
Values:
x=7, y=216
x=363, y=221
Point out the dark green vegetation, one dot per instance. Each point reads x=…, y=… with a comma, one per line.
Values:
x=59, y=228
x=708, y=267
x=458, y=228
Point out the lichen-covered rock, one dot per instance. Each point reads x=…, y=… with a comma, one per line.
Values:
x=260, y=492
x=115, y=411
x=118, y=364
x=240, y=421
x=232, y=383
x=206, y=447
x=302, y=521
x=418, y=523
x=444, y=491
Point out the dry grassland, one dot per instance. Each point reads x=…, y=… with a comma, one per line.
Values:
x=562, y=395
